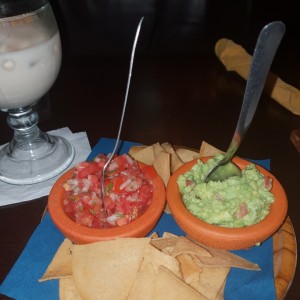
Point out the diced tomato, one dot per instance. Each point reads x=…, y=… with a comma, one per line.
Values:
x=243, y=211
x=109, y=203
x=88, y=169
x=96, y=206
x=188, y=182
x=85, y=218
x=118, y=163
x=117, y=183
x=69, y=209
x=94, y=180
x=86, y=199
x=78, y=206
x=268, y=182
x=99, y=223
x=145, y=194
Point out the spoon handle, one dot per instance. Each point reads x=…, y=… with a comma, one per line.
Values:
x=265, y=49
x=124, y=106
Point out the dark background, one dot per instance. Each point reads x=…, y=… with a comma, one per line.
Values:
x=180, y=92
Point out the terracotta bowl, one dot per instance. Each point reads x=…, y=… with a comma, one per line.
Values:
x=221, y=237
x=80, y=234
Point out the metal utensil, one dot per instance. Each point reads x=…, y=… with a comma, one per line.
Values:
x=123, y=112
x=265, y=49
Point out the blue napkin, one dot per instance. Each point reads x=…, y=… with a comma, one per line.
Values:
x=22, y=281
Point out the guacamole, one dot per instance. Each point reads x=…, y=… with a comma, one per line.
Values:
x=235, y=202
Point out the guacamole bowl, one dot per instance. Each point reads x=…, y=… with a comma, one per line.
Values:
x=224, y=237
x=80, y=234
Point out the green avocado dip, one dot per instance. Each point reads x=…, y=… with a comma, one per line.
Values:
x=235, y=202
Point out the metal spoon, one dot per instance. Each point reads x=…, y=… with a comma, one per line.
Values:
x=123, y=113
x=265, y=49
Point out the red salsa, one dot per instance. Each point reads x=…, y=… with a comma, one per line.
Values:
x=128, y=192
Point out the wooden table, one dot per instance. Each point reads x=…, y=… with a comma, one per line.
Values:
x=180, y=93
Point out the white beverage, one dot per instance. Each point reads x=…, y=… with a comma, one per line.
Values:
x=26, y=75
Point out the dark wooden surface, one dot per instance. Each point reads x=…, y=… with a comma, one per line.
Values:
x=180, y=92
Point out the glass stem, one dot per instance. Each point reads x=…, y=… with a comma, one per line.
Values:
x=22, y=119
x=24, y=123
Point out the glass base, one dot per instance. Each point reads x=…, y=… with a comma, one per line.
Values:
x=41, y=159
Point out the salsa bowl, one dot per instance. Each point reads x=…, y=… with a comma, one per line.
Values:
x=224, y=237
x=80, y=234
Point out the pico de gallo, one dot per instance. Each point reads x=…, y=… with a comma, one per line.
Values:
x=128, y=191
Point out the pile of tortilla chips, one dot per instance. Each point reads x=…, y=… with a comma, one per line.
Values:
x=163, y=157
x=166, y=159
x=168, y=267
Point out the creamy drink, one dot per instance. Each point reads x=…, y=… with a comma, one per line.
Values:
x=30, y=59
x=27, y=74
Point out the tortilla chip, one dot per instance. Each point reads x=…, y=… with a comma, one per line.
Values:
x=162, y=165
x=168, y=234
x=169, y=286
x=107, y=270
x=171, y=267
x=220, y=295
x=184, y=245
x=134, y=149
x=164, y=244
x=211, y=281
x=159, y=258
x=190, y=271
x=208, y=150
x=223, y=258
x=142, y=154
x=154, y=235
x=187, y=155
x=207, y=281
x=144, y=284
x=60, y=265
x=157, y=148
x=176, y=162
x=68, y=289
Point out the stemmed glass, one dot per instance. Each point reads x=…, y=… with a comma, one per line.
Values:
x=30, y=59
